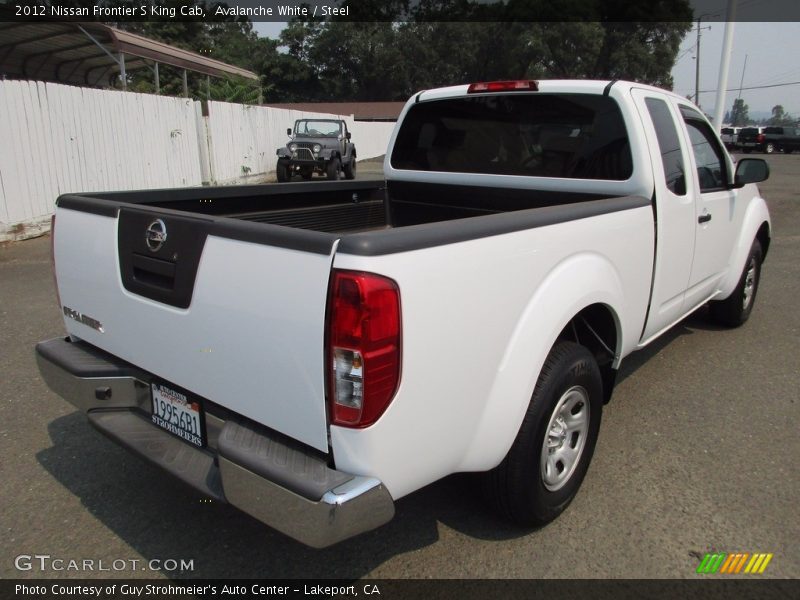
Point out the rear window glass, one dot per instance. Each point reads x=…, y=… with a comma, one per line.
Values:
x=727, y=130
x=777, y=130
x=577, y=136
x=748, y=130
x=669, y=144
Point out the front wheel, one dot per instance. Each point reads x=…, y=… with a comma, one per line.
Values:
x=350, y=168
x=282, y=173
x=769, y=148
x=736, y=308
x=332, y=169
x=545, y=466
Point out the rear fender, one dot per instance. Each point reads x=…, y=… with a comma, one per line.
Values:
x=574, y=284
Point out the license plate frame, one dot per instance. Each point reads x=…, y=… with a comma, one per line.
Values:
x=178, y=412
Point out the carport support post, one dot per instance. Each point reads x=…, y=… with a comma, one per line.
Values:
x=208, y=87
x=158, y=79
x=185, y=85
x=123, y=75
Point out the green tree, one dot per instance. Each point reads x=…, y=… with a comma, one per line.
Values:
x=393, y=58
x=739, y=115
x=780, y=116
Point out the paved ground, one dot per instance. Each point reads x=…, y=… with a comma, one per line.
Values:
x=698, y=451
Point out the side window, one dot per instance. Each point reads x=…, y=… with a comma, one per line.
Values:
x=669, y=145
x=707, y=155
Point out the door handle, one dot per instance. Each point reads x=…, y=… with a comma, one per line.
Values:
x=704, y=218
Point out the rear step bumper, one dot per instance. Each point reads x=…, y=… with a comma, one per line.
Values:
x=277, y=481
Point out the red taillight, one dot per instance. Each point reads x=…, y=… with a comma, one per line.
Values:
x=760, y=138
x=363, y=350
x=53, y=257
x=503, y=86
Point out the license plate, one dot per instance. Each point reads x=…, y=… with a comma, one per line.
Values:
x=177, y=413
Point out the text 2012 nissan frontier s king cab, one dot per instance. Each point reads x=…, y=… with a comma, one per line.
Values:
x=312, y=352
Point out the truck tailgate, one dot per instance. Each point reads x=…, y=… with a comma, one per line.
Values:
x=226, y=316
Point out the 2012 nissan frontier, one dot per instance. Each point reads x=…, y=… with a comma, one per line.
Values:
x=312, y=352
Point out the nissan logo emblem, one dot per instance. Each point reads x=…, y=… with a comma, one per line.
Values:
x=156, y=235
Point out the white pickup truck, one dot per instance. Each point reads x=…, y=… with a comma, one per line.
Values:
x=312, y=352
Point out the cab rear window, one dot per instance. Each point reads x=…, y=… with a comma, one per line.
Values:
x=575, y=136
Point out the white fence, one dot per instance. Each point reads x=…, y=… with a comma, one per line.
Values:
x=56, y=139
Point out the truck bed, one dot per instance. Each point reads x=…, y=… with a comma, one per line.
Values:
x=337, y=207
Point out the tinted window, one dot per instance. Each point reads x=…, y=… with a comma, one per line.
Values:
x=669, y=145
x=727, y=130
x=578, y=136
x=749, y=131
x=707, y=155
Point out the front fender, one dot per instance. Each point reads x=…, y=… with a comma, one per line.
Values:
x=577, y=282
x=283, y=153
x=755, y=216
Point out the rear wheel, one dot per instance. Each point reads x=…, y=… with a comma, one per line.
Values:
x=545, y=466
x=736, y=308
x=332, y=169
x=788, y=150
x=747, y=150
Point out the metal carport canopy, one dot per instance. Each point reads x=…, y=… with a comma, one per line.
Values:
x=90, y=53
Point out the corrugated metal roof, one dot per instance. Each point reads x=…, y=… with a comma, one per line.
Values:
x=361, y=111
x=63, y=52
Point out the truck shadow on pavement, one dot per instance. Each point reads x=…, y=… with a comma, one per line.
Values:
x=159, y=517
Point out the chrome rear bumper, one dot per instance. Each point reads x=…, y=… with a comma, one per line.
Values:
x=272, y=478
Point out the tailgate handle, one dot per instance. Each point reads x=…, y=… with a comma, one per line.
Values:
x=153, y=271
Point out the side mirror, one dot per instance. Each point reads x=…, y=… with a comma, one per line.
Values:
x=750, y=170
x=289, y=131
x=348, y=135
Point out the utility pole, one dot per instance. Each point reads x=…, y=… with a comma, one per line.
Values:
x=697, y=67
x=741, y=83
x=697, y=57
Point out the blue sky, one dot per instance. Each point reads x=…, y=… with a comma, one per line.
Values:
x=772, y=51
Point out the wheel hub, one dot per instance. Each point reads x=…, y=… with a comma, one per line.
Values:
x=557, y=434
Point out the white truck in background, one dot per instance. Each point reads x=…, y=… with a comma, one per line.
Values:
x=312, y=352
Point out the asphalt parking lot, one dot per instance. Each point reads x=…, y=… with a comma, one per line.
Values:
x=698, y=451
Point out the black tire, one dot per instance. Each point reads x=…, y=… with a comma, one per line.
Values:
x=517, y=486
x=788, y=150
x=736, y=308
x=332, y=168
x=282, y=172
x=747, y=150
x=350, y=168
x=769, y=148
